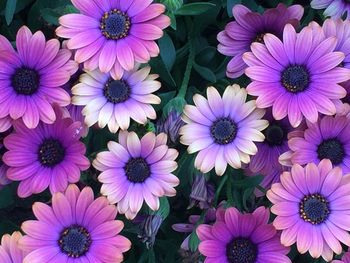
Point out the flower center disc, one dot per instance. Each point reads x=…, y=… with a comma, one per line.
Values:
x=331, y=149
x=115, y=24
x=137, y=170
x=314, y=209
x=223, y=131
x=241, y=250
x=295, y=78
x=274, y=135
x=116, y=91
x=51, y=152
x=75, y=241
x=25, y=81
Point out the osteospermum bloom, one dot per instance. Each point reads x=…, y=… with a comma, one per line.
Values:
x=328, y=138
x=3, y=167
x=112, y=35
x=112, y=102
x=76, y=229
x=237, y=237
x=297, y=84
x=135, y=170
x=31, y=77
x=49, y=155
x=266, y=162
x=223, y=130
x=312, y=208
x=334, y=8
x=250, y=27
x=9, y=249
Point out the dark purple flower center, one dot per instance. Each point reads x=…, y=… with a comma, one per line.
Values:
x=331, y=149
x=25, y=81
x=314, y=209
x=74, y=241
x=115, y=24
x=116, y=91
x=259, y=38
x=51, y=152
x=241, y=250
x=295, y=78
x=223, y=131
x=137, y=170
x=275, y=134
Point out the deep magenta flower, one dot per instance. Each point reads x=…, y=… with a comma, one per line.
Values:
x=265, y=162
x=250, y=27
x=113, y=101
x=76, y=229
x=223, y=129
x=113, y=35
x=297, y=84
x=312, y=208
x=135, y=170
x=334, y=8
x=328, y=138
x=49, y=155
x=9, y=249
x=31, y=77
x=237, y=237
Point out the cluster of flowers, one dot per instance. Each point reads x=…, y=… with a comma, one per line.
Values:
x=294, y=133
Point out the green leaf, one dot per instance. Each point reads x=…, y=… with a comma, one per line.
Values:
x=167, y=51
x=194, y=9
x=10, y=10
x=50, y=16
x=205, y=73
x=176, y=103
x=6, y=197
x=248, y=182
x=193, y=241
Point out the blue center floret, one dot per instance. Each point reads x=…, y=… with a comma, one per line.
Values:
x=241, y=250
x=295, y=78
x=223, y=131
x=137, y=170
x=115, y=24
x=314, y=209
x=116, y=91
x=25, y=81
x=51, y=152
x=331, y=149
x=75, y=241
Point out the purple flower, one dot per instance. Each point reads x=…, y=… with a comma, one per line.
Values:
x=328, y=138
x=49, y=155
x=31, y=77
x=149, y=229
x=223, y=129
x=209, y=218
x=265, y=162
x=202, y=192
x=171, y=125
x=334, y=8
x=113, y=35
x=237, y=237
x=9, y=249
x=76, y=229
x=135, y=170
x=312, y=209
x=296, y=83
x=251, y=27
x=113, y=102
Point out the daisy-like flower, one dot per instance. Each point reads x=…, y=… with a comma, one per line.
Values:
x=113, y=35
x=9, y=249
x=250, y=27
x=328, y=138
x=312, y=208
x=31, y=77
x=112, y=102
x=135, y=170
x=344, y=259
x=297, y=84
x=266, y=162
x=237, y=237
x=76, y=229
x=223, y=130
x=49, y=155
x=334, y=8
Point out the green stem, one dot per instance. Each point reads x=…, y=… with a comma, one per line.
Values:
x=218, y=190
x=190, y=61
